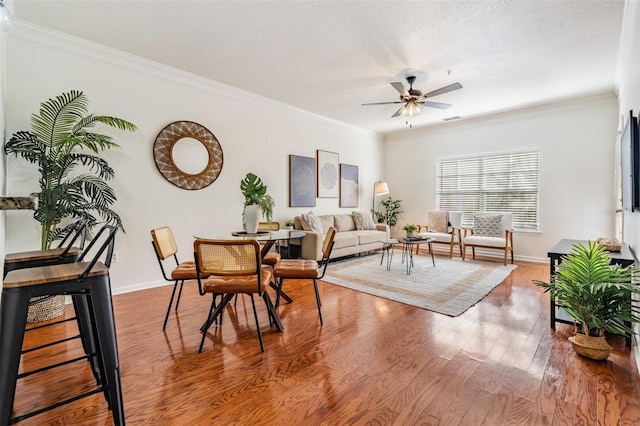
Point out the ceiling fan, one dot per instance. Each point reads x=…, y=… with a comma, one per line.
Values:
x=414, y=100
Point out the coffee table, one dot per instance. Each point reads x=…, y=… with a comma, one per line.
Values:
x=407, y=250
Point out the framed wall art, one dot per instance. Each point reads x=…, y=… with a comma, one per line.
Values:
x=348, y=185
x=302, y=181
x=328, y=186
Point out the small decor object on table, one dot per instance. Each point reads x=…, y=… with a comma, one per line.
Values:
x=610, y=244
x=256, y=202
x=597, y=295
x=288, y=224
x=411, y=230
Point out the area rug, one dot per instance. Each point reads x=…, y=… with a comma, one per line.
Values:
x=450, y=288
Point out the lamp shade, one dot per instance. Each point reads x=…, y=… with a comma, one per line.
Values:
x=381, y=188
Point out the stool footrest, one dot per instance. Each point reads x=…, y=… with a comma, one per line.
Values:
x=46, y=345
x=56, y=405
x=49, y=367
x=37, y=327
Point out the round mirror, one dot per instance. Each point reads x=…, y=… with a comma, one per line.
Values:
x=190, y=156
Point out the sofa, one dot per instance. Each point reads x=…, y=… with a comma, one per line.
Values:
x=349, y=240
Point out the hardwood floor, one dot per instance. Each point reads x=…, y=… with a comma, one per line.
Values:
x=373, y=362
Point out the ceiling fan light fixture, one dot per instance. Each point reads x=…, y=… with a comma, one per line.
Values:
x=411, y=109
x=6, y=17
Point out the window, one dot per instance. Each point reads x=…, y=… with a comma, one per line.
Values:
x=500, y=182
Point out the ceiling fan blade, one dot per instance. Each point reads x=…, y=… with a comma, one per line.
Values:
x=384, y=103
x=401, y=89
x=438, y=105
x=398, y=112
x=445, y=89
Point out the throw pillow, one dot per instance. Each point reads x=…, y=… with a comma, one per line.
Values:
x=487, y=226
x=437, y=221
x=344, y=222
x=311, y=222
x=363, y=221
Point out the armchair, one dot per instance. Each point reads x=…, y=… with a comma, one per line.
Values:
x=444, y=227
x=490, y=230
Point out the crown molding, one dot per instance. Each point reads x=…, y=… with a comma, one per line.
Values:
x=43, y=36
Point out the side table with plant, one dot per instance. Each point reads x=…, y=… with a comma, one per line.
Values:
x=411, y=230
x=597, y=295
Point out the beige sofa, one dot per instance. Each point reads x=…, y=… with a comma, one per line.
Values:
x=348, y=239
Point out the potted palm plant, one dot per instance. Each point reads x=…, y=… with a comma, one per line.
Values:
x=73, y=178
x=256, y=202
x=597, y=295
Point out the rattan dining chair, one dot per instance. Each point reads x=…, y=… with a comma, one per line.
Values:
x=270, y=258
x=305, y=269
x=164, y=245
x=230, y=267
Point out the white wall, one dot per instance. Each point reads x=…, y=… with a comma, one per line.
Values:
x=256, y=135
x=576, y=144
x=629, y=99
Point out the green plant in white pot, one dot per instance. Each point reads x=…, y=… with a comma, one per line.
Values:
x=257, y=202
x=410, y=229
x=597, y=295
x=73, y=178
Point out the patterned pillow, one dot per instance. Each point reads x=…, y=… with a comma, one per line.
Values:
x=311, y=222
x=487, y=226
x=437, y=221
x=363, y=221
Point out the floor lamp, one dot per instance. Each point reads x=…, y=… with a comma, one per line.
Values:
x=379, y=188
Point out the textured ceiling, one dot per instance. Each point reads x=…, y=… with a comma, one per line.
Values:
x=329, y=57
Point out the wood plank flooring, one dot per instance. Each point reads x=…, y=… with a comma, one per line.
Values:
x=373, y=362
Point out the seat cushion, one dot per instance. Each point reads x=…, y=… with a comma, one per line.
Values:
x=296, y=268
x=366, y=237
x=239, y=284
x=438, y=237
x=476, y=240
x=271, y=259
x=185, y=271
x=345, y=239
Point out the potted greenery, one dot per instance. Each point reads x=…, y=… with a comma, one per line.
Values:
x=73, y=182
x=257, y=202
x=288, y=224
x=597, y=295
x=391, y=212
x=411, y=230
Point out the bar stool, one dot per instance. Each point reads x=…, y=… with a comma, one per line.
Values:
x=89, y=286
x=66, y=252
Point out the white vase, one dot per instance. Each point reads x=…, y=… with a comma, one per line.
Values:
x=252, y=214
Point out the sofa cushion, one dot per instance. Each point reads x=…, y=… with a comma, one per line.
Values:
x=344, y=222
x=438, y=237
x=367, y=236
x=342, y=240
x=311, y=222
x=297, y=222
x=487, y=226
x=475, y=240
x=437, y=221
x=363, y=221
x=327, y=221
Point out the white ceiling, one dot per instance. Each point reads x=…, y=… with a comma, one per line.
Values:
x=329, y=57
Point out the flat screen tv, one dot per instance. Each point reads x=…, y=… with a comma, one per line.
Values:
x=630, y=165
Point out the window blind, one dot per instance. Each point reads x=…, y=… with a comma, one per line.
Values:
x=505, y=182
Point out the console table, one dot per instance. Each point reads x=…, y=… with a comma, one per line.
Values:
x=624, y=257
